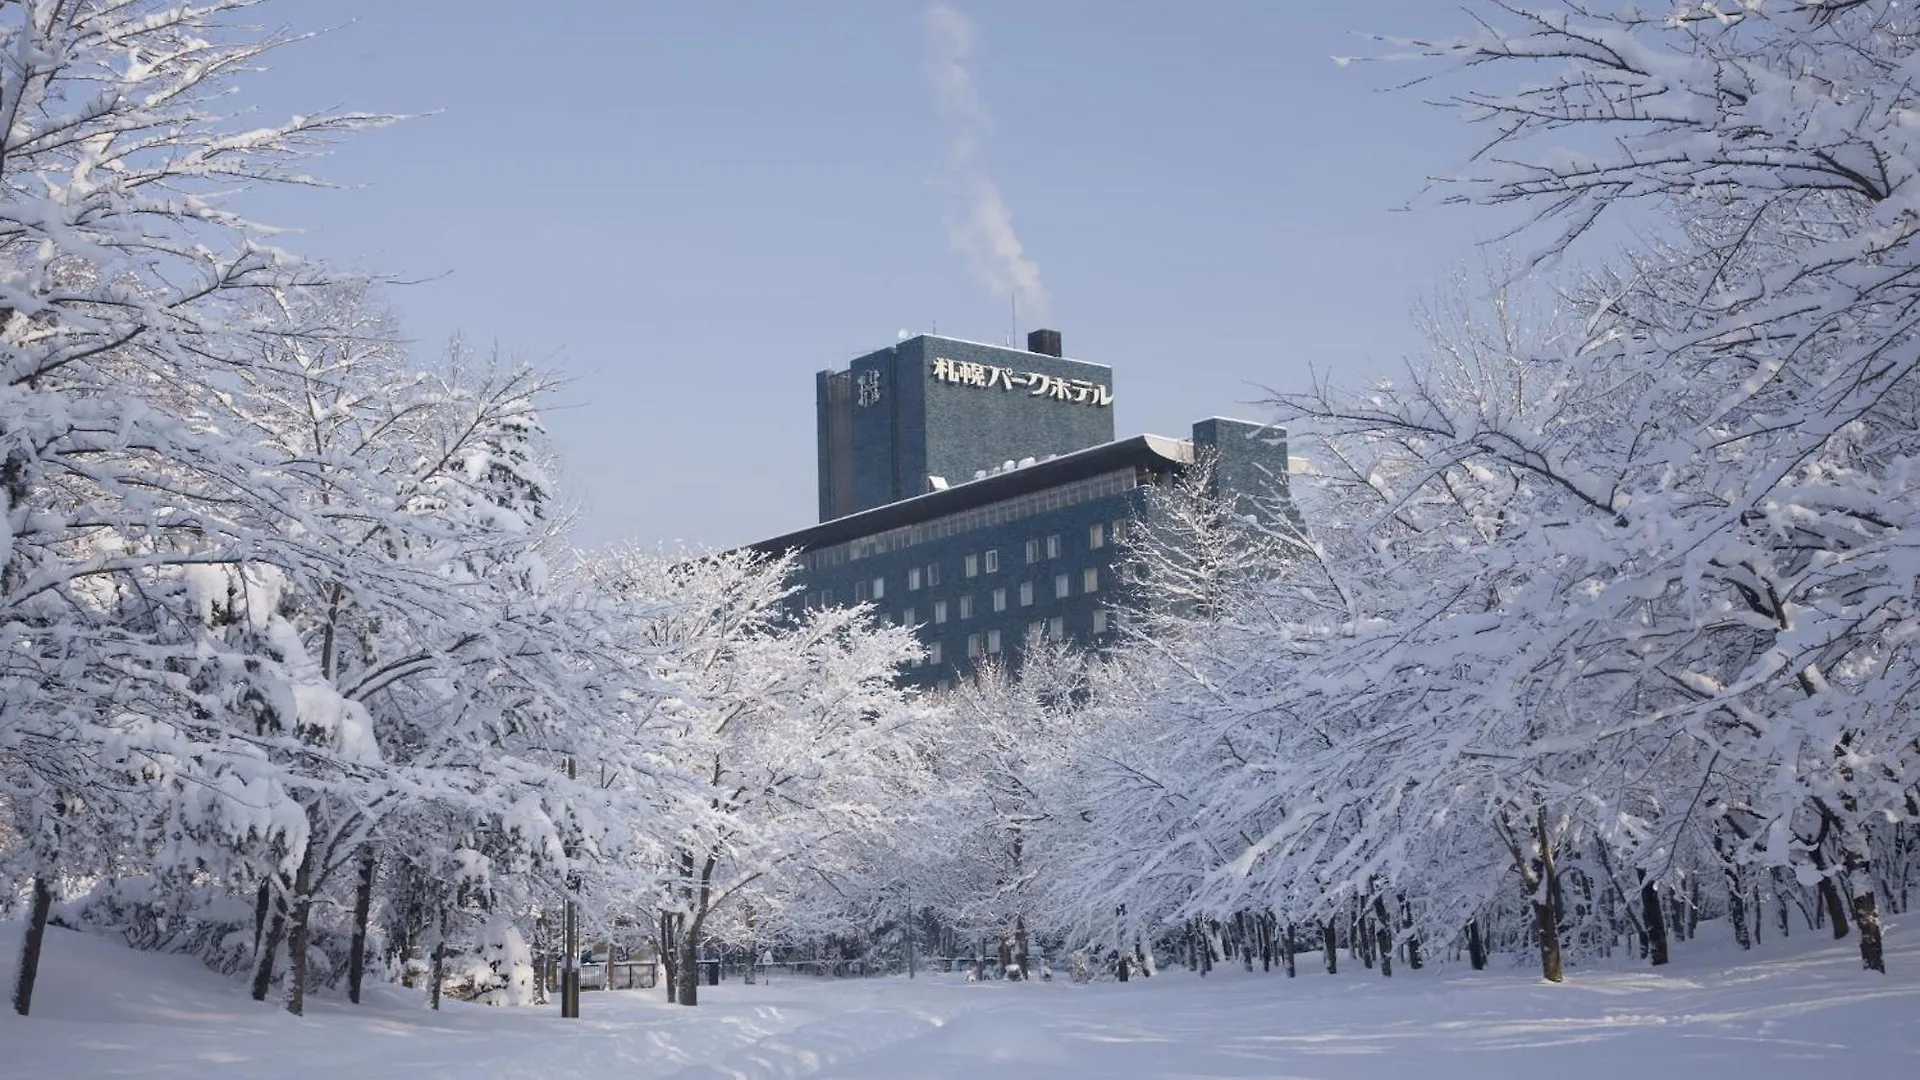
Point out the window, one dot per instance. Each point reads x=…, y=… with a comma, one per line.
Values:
x=933, y=574
x=993, y=641
x=1035, y=629
x=1100, y=621
x=1119, y=530
x=913, y=579
x=973, y=566
x=907, y=619
x=933, y=653
x=826, y=597
x=939, y=611
x=1097, y=535
x=879, y=588
x=973, y=645
x=993, y=561
x=999, y=599
x=1062, y=586
x=966, y=606
x=860, y=593
x=1090, y=579
x=1026, y=593
x=1033, y=552
x=1053, y=546
x=1057, y=628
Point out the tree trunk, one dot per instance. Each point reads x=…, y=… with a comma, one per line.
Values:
x=262, y=903
x=1413, y=943
x=1655, y=920
x=297, y=940
x=1287, y=944
x=362, y=909
x=1835, y=908
x=689, y=965
x=269, y=949
x=1333, y=954
x=1476, y=946
x=29, y=970
x=1866, y=915
x=1383, y=933
x=670, y=956
x=1543, y=907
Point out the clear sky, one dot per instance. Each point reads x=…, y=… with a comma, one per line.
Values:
x=689, y=209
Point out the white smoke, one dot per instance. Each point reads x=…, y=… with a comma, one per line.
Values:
x=979, y=225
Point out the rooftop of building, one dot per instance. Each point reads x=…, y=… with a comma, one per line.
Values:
x=1154, y=451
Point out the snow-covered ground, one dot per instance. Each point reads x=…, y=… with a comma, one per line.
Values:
x=1784, y=1011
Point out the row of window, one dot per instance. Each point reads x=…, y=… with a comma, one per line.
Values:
x=990, y=642
x=1096, y=487
x=964, y=606
x=929, y=576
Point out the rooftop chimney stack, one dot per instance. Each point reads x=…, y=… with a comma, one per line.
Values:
x=1044, y=342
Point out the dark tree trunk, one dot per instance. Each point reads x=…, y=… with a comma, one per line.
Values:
x=269, y=949
x=29, y=970
x=1737, y=911
x=1476, y=946
x=262, y=903
x=1383, y=933
x=1866, y=915
x=1413, y=943
x=1544, y=909
x=669, y=956
x=1654, y=920
x=439, y=968
x=362, y=910
x=1835, y=907
x=689, y=965
x=1333, y=954
x=1287, y=944
x=297, y=939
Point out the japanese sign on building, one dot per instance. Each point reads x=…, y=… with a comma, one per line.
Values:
x=868, y=388
x=1035, y=383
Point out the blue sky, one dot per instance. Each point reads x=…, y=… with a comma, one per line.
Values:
x=689, y=209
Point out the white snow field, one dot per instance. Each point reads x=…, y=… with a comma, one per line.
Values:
x=1786, y=1010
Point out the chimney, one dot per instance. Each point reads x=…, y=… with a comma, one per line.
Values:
x=1044, y=342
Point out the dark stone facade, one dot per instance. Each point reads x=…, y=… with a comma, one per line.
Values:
x=938, y=407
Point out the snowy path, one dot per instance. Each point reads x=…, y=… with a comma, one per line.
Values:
x=104, y=1011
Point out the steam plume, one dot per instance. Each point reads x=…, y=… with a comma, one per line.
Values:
x=979, y=225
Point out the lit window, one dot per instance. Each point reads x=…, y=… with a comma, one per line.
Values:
x=966, y=606
x=1062, y=586
x=1090, y=579
x=1100, y=621
x=933, y=653
x=913, y=580
x=1035, y=629
x=1119, y=530
x=973, y=566
x=1057, y=628
x=1026, y=593
x=933, y=574
x=939, y=611
x=1097, y=535
x=879, y=588
x=999, y=599
x=907, y=619
x=1053, y=546
x=993, y=641
x=973, y=645
x=993, y=561
x=1033, y=551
